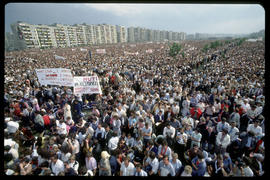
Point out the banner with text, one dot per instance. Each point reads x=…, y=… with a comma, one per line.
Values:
x=86, y=85
x=55, y=76
x=101, y=51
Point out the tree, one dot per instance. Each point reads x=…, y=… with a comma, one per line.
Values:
x=174, y=49
x=205, y=48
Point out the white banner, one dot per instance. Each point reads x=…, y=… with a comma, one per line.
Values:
x=55, y=76
x=86, y=85
x=101, y=51
x=83, y=49
x=132, y=45
x=59, y=57
x=129, y=53
x=149, y=51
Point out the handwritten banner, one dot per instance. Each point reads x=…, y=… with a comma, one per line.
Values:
x=86, y=85
x=55, y=76
x=101, y=51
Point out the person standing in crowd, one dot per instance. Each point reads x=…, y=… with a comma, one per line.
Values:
x=127, y=168
x=165, y=167
x=104, y=164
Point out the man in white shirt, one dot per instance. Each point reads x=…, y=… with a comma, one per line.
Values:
x=222, y=141
x=100, y=132
x=152, y=162
x=62, y=127
x=165, y=167
x=146, y=132
x=175, y=109
x=113, y=142
x=57, y=165
x=254, y=133
x=222, y=124
x=12, y=126
x=233, y=131
x=139, y=171
x=169, y=133
x=127, y=168
x=255, y=129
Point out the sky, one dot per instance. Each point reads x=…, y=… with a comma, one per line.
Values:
x=188, y=18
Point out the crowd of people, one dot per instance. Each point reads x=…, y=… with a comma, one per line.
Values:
x=197, y=114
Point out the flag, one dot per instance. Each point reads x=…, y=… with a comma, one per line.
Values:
x=59, y=57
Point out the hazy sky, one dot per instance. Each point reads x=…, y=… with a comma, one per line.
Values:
x=189, y=18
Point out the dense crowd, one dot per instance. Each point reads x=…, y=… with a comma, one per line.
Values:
x=198, y=114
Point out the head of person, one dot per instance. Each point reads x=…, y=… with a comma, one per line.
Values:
x=175, y=156
x=223, y=119
x=256, y=123
x=188, y=169
x=126, y=161
x=224, y=131
x=166, y=160
x=54, y=158
x=138, y=167
x=233, y=124
x=72, y=158
x=105, y=155
x=89, y=155
x=152, y=155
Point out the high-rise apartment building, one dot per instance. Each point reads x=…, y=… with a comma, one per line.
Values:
x=58, y=35
x=131, y=35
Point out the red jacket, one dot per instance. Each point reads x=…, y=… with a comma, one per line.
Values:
x=46, y=120
x=199, y=112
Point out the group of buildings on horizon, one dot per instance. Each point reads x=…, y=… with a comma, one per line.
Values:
x=27, y=36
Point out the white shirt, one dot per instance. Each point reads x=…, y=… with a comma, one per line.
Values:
x=170, y=131
x=75, y=166
x=113, y=142
x=127, y=171
x=256, y=130
x=57, y=167
x=101, y=130
x=220, y=125
x=177, y=165
x=154, y=164
x=76, y=146
x=11, y=143
x=232, y=132
x=90, y=131
x=12, y=126
x=175, y=109
x=62, y=128
x=181, y=137
x=14, y=153
x=226, y=141
x=142, y=173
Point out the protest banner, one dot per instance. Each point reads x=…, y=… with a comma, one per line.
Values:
x=59, y=57
x=82, y=49
x=101, y=51
x=86, y=85
x=55, y=76
x=149, y=51
x=129, y=53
